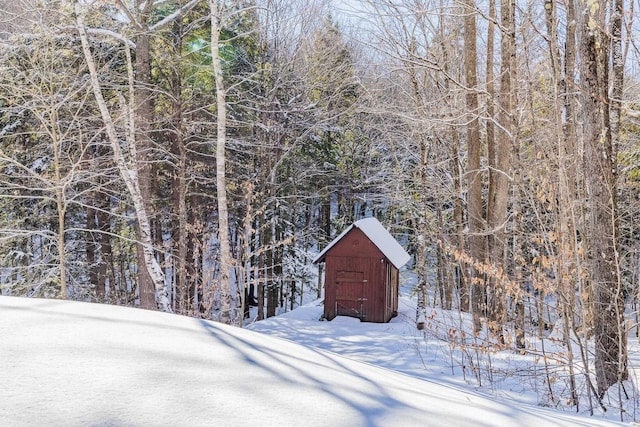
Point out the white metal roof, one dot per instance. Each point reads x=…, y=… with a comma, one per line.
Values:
x=380, y=237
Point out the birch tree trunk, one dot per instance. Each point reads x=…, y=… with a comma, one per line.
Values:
x=139, y=14
x=221, y=186
x=128, y=174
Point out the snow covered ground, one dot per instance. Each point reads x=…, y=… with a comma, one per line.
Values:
x=436, y=354
x=78, y=364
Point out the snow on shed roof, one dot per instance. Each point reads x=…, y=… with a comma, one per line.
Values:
x=380, y=237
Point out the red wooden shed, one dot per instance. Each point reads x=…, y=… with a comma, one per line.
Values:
x=362, y=273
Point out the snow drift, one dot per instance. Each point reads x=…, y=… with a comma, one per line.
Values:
x=76, y=364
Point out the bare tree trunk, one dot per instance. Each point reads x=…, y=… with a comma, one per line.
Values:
x=246, y=256
x=454, y=274
x=474, y=177
x=106, y=269
x=180, y=229
x=610, y=337
x=143, y=118
x=91, y=246
x=98, y=247
x=261, y=270
x=61, y=205
x=617, y=86
x=517, y=255
x=195, y=256
x=127, y=174
x=617, y=68
x=269, y=272
x=566, y=275
x=420, y=223
x=221, y=186
x=458, y=212
x=491, y=113
x=500, y=164
x=139, y=13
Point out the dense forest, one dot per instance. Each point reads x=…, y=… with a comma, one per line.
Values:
x=193, y=155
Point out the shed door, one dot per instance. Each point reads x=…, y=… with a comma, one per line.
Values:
x=350, y=293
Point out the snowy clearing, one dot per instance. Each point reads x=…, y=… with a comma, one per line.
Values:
x=77, y=364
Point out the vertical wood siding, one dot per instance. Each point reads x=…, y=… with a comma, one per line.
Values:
x=359, y=280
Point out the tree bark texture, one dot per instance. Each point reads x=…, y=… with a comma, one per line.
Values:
x=143, y=119
x=610, y=336
x=221, y=186
x=474, y=176
x=500, y=163
x=128, y=175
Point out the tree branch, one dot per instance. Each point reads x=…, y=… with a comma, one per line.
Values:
x=103, y=32
x=175, y=15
